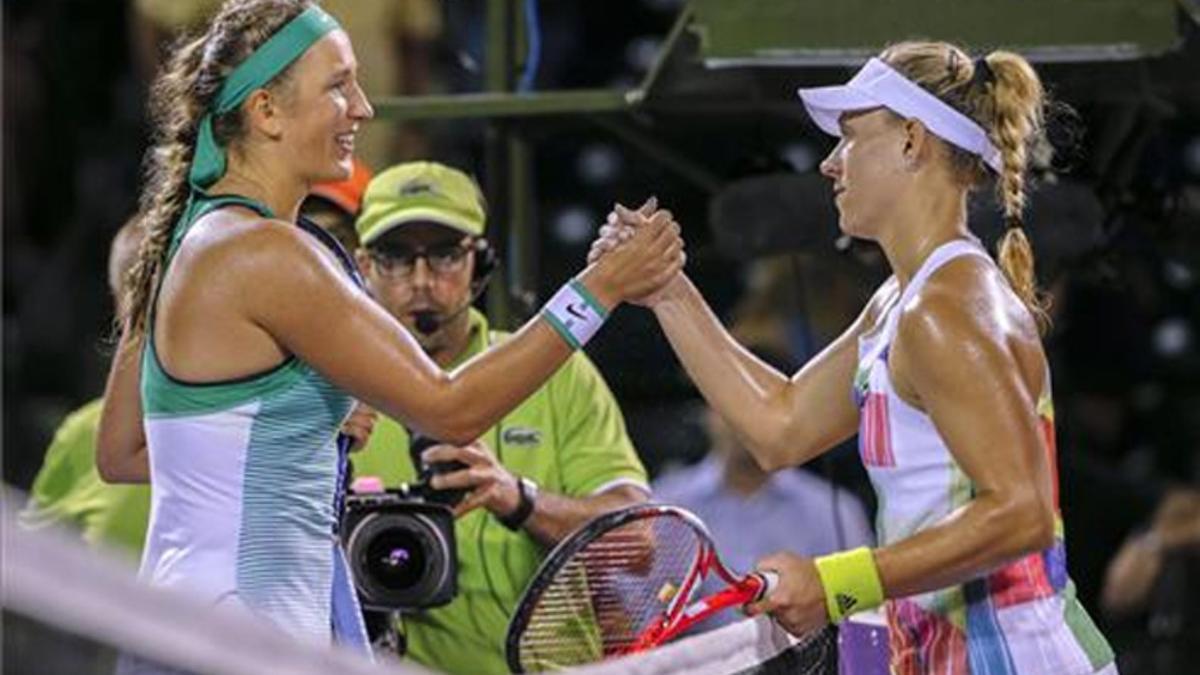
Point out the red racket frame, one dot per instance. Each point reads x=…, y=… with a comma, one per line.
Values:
x=680, y=614
x=678, y=617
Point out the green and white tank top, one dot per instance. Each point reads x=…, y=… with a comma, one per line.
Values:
x=243, y=477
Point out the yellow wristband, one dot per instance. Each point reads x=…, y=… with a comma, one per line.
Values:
x=851, y=582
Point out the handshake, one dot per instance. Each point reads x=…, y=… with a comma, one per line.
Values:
x=638, y=255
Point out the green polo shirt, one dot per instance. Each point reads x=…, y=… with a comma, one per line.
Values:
x=570, y=438
x=68, y=490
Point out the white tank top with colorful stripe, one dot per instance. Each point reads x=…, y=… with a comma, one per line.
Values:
x=243, y=476
x=1021, y=618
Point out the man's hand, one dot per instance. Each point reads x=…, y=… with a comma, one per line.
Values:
x=490, y=485
x=1177, y=521
x=798, y=602
x=359, y=425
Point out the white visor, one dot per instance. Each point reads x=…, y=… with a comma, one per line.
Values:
x=877, y=84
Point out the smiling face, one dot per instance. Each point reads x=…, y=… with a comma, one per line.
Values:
x=867, y=168
x=323, y=106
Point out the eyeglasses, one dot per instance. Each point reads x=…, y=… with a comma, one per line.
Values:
x=398, y=263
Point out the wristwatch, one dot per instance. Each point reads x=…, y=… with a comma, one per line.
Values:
x=528, y=491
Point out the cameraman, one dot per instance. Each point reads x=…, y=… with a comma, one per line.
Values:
x=559, y=459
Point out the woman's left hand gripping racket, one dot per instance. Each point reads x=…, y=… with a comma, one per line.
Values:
x=622, y=583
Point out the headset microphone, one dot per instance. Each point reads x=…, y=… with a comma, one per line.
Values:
x=427, y=322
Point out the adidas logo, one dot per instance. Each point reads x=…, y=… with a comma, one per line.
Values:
x=846, y=603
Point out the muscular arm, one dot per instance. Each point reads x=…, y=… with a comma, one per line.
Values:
x=960, y=355
x=555, y=516
x=493, y=487
x=784, y=421
x=337, y=329
x=121, y=455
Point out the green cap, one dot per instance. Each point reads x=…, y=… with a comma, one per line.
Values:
x=421, y=192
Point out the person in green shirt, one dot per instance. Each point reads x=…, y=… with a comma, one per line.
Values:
x=67, y=489
x=559, y=459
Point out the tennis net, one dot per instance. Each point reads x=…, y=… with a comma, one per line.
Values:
x=752, y=647
x=67, y=609
x=71, y=609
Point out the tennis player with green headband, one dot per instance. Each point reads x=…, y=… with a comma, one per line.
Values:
x=244, y=342
x=943, y=377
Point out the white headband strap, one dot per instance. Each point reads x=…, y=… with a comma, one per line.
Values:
x=877, y=84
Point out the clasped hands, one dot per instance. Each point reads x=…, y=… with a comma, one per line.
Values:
x=797, y=603
x=621, y=226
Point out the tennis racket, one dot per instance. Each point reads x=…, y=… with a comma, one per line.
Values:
x=623, y=583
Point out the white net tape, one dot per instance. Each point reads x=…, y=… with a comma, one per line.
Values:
x=755, y=645
x=50, y=577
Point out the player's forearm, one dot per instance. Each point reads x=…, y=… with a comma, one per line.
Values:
x=990, y=531
x=129, y=467
x=555, y=516
x=121, y=455
x=749, y=394
x=474, y=397
x=477, y=394
x=1131, y=574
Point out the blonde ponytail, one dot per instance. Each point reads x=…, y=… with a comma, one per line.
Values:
x=1012, y=104
x=1003, y=93
x=1014, y=254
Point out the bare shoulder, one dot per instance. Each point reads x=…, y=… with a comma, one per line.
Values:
x=240, y=242
x=967, y=315
x=240, y=231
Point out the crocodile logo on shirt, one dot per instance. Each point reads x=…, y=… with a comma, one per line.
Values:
x=417, y=187
x=521, y=437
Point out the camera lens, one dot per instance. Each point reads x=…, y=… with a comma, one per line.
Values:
x=396, y=559
x=400, y=557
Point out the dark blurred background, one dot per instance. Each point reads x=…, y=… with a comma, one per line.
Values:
x=1115, y=220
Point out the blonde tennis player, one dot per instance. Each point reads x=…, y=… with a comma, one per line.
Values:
x=943, y=377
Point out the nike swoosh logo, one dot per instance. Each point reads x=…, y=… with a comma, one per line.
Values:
x=577, y=313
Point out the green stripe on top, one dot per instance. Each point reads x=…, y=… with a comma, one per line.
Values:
x=1097, y=649
x=290, y=471
x=562, y=330
x=590, y=299
x=165, y=396
x=201, y=204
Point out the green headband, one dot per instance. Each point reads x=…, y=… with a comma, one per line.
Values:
x=285, y=46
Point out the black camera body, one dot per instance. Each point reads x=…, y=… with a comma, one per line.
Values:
x=400, y=544
x=401, y=550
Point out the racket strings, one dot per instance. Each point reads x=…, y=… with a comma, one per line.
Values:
x=609, y=592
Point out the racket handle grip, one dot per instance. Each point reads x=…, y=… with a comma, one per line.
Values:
x=770, y=581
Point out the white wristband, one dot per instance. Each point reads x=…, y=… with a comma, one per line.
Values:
x=575, y=313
